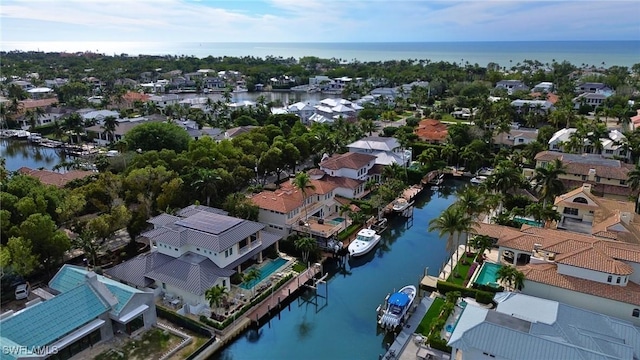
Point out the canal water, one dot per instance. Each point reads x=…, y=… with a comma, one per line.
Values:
x=344, y=325
x=19, y=153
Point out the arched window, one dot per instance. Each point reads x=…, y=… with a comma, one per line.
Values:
x=609, y=278
x=636, y=313
x=580, y=200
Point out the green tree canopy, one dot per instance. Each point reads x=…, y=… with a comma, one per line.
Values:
x=158, y=136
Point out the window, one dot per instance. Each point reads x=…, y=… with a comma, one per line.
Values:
x=584, y=177
x=580, y=200
x=623, y=182
x=608, y=151
x=636, y=313
x=598, y=178
x=609, y=278
x=618, y=280
x=570, y=211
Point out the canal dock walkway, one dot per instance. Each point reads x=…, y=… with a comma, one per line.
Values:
x=253, y=316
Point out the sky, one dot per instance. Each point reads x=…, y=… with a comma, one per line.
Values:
x=317, y=20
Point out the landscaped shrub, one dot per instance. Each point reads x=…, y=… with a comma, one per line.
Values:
x=484, y=297
x=182, y=321
x=488, y=288
x=444, y=287
x=345, y=234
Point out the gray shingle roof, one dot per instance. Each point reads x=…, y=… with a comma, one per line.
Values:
x=163, y=219
x=190, y=272
x=194, y=209
x=134, y=270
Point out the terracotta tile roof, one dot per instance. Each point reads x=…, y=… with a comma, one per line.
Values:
x=288, y=197
x=55, y=178
x=315, y=172
x=135, y=96
x=567, y=246
x=594, y=259
x=548, y=274
x=431, y=130
x=495, y=231
x=32, y=104
x=375, y=169
x=350, y=160
x=343, y=182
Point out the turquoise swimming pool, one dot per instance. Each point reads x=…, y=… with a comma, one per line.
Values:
x=488, y=274
x=527, y=221
x=265, y=271
x=338, y=219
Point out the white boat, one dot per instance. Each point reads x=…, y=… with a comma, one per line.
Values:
x=437, y=180
x=400, y=204
x=366, y=240
x=397, y=307
x=478, y=180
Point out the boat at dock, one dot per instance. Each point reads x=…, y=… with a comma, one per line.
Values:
x=477, y=180
x=437, y=180
x=366, y=240
x=400, y=204
x=396, y=308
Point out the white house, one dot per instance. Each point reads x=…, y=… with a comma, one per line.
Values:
x=511, y=86
x=352, y=165
x=162, y=101
x=592, y=99
x=590, y=272
x=193, y=251
x=525, y=106
x=387, y=150
x=544, y=87
x=595, y=88
x=516, y=136
x=611, y=145
x=524, y=327
x=304, y=110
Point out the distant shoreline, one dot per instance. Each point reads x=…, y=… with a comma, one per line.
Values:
x=505, y=53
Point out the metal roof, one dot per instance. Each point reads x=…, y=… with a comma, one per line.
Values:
x=48, y=321
x=190, y=272
x=133, y=271
x=209, y=223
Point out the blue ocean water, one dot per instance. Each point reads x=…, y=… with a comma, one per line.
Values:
x=505, y=53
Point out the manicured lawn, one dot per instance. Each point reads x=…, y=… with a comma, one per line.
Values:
x=430, y=316
x=299, y=267
x=461, y=269
x=151, y=346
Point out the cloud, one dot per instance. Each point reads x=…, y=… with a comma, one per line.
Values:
x=317, y=21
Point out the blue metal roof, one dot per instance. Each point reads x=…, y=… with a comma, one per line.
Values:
x=399, y=299
x=71, y=276
x=46, y=322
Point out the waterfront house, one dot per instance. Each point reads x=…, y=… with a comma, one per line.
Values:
x=98, y=116
x=611, y=145
x=162, y=101
x=198, y=248
x=124, y=126
x=586, y=271
x=303, y=110
x=432, y=131
x=352, y=165
x=539, y=106
x=581, y=211
x=511, y=86
x=608, y=177
x=387, y=150
x=80, y=309
x=524, y=327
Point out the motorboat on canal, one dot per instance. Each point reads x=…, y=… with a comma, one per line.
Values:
x=397, y=307
x=400, y=204
x=366, y=240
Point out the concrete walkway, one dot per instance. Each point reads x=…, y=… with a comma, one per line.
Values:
x=448, y=267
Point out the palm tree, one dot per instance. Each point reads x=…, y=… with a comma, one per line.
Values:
x=302, y=181
x=109, y=126
x=482, y=243
x=471, y=201
x=368, y=126
x=345, y=209
x=547, y=180
x=305, y=244
x=633, y=179
x=215, y=295
x=250, y=278
x=207, y=183
x=451, y=221
x=511, y=276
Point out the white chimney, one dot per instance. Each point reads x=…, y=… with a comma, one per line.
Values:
x=592, y=174
x=586, y=188
x=625, y=217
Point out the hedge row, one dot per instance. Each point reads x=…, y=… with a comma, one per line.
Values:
x=182, y=321
x=481, y=296
x=352, y=229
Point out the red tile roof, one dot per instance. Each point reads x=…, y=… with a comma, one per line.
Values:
x=548, y=274
x=431, y=130
x=32, y=104
x=288, y=197
x=55, y=178
x=350, y=160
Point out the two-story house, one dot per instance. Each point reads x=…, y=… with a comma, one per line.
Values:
x=608, y=177
x=595, y=88
x=387, y=150
x=581, y=211
x=303, y=110
x=611, y=145
x=511, y=86
x=592, y=99
x=517, y=136
x=198, y=248
x=162, y=101
x=539, y=106
x=585, y=271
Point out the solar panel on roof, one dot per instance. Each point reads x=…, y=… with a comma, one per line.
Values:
x=209, y=222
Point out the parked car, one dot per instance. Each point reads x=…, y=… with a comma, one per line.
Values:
x=22, y=291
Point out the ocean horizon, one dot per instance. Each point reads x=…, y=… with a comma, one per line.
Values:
x=504, y=53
